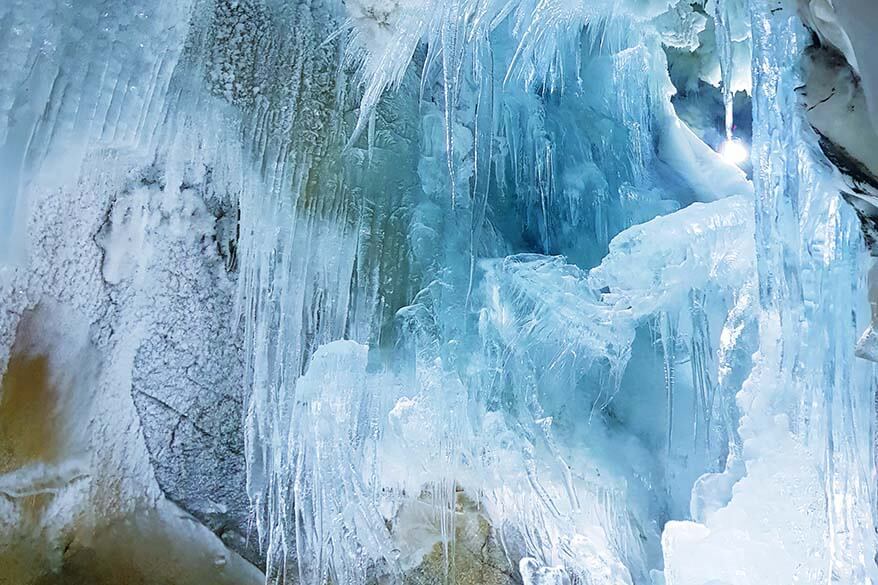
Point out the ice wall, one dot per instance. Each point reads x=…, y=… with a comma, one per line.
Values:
x=492, y=296
x=805, y=468
x=539, y=130
x=559, y=363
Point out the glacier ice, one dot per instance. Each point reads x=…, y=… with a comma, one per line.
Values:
x=480, y=283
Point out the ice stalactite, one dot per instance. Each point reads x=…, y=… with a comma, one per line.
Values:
x=725, y=54
x=806, y=405
x=512, y=377
x=501, y=314
x=809, y=253
x=324, y=257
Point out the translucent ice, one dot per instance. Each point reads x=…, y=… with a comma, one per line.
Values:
x=492, y=291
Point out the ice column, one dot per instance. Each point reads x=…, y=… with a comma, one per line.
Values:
x=724, y=48
x=807, y=258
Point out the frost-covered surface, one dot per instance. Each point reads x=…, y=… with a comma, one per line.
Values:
x=425, y=291
x=116, y=268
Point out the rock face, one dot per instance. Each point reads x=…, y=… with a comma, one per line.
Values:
x=119, y=393
x=187, y=372
x=120, y=354
x=473, y=557
x=836, y=108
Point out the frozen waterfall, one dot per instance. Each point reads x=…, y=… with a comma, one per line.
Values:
x=350, y=292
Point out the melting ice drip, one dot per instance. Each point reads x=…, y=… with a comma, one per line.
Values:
x=733, y=150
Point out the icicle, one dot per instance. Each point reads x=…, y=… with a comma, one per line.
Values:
x=797, y=413
x=701, y=361
x=668, y=338
x=724, y=46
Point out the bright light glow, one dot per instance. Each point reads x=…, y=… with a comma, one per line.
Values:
x=734, y=151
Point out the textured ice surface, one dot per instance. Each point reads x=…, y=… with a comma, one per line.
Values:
x=388, y=270
x=801, y=397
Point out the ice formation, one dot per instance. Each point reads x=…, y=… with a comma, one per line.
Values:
x=420, y=291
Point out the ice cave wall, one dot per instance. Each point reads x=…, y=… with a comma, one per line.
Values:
x=396, y=291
